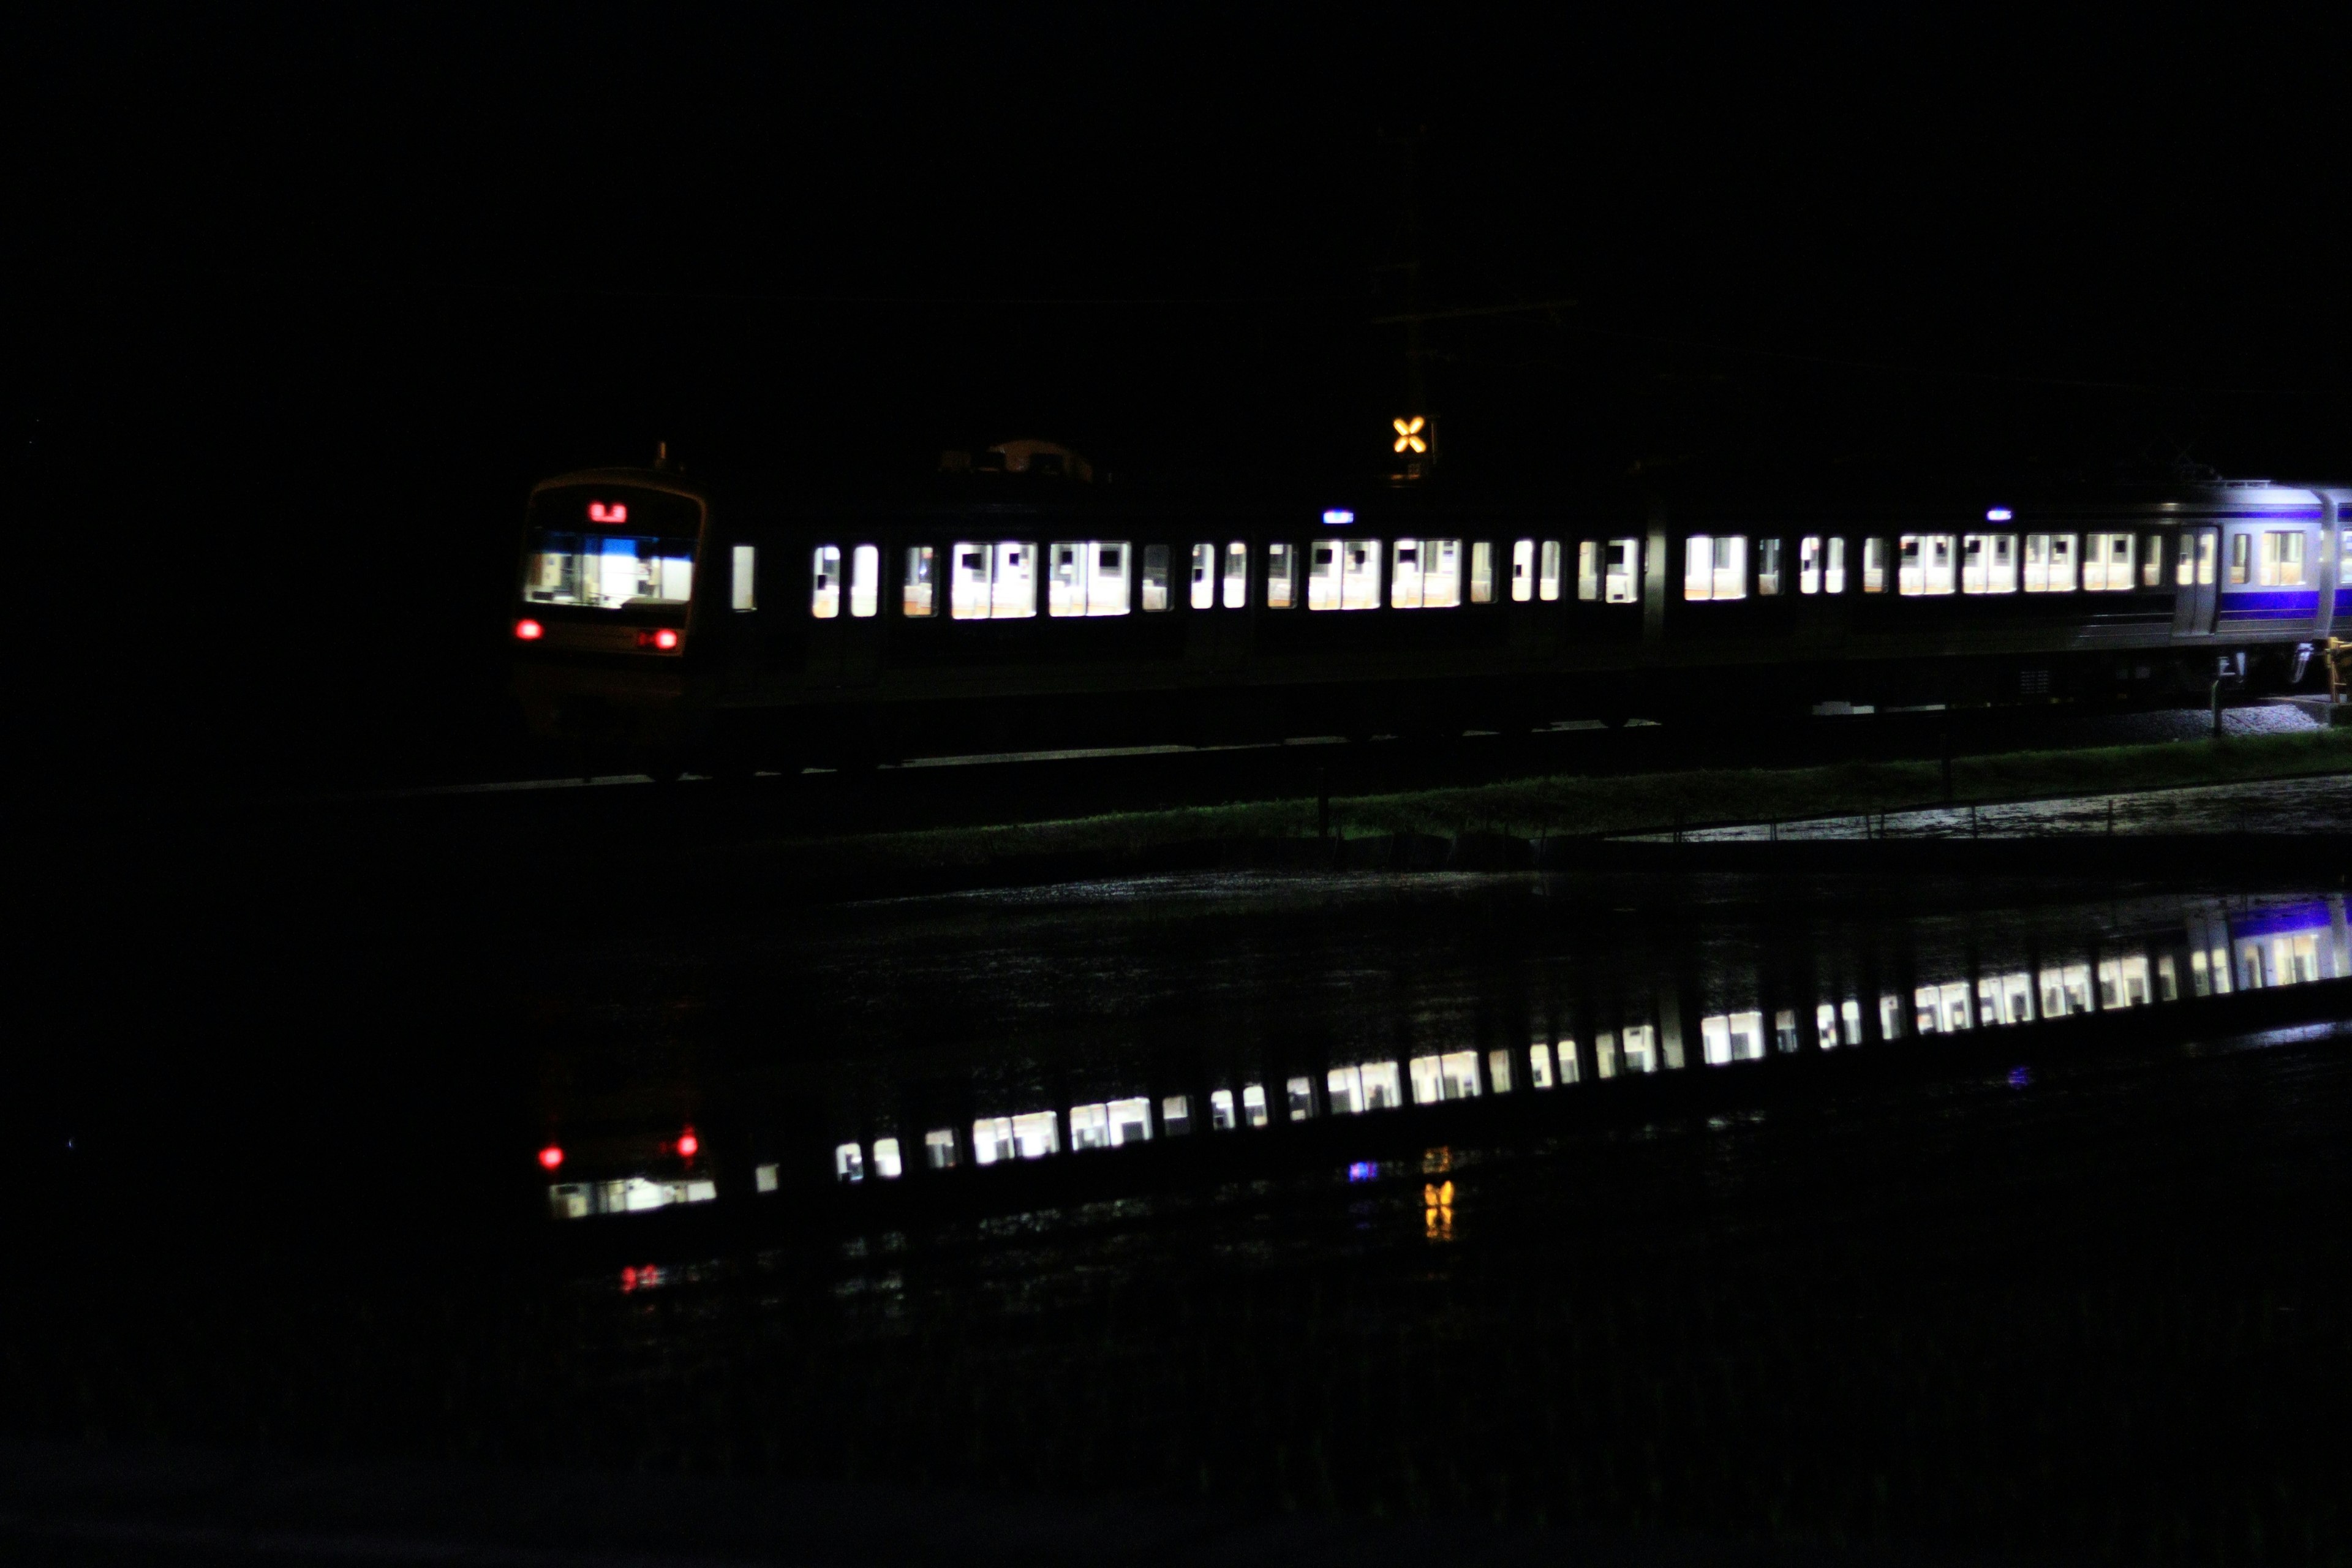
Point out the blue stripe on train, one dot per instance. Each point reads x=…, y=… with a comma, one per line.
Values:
x=2265, y=618
x=2303, y=600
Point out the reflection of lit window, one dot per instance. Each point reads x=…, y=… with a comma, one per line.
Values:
x=915, y=602
x=825, y=582
x=1221, y=1109
x=848, y=1164
x=1254, y=1104
x=1539, y=1064
x=1732, y=1038
x=1451, y=1076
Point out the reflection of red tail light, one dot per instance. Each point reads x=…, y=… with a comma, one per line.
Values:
x=550, y=1157
x=530, y=631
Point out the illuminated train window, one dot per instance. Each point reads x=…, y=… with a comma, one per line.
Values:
x=2049, y=562
x=1235, y=592
x=1176, y=1115
x=744, y=559
x=1204, y=584
x=1768, y=567
x=993, y=581
x=1925, y=564
x=606, y=573
x=1548, y=579
x=1873, y=566
x=825, y=582
x=1539, y=1064
x=1809, y=564
x=1221, y=1109
x=917, y=600
x=1482, y=572
x=939, y=1149
x=864, y=581
x=2107, y=563
x=2281, y=564
x=1426, y=573
x=1344, y=574
x=1281, y=576
x=886, y=1159
x=1086, y=577
x=1254, y=1104
x=1499, y=1070
x=1714, y=566
x=1989, y=564
x=1588, y=570
x=1155, y=578
x=2151, y=569
x=1523, y=571
x=1622, y=577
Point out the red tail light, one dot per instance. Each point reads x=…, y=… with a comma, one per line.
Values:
x=665, y=638
x=530, y=631
x=688, y=1144
x=550, y=1157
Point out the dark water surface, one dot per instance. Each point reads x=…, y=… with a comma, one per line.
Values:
x=2063, y=1287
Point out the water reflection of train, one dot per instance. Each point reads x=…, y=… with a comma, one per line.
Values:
x=1013, y=605
x=1717, y=1004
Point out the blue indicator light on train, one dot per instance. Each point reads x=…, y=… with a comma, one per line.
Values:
x=1997, y=514
x=1363, y=1171
x=1337, y=517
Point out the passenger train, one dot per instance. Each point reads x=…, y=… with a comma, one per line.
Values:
x=1012, y=604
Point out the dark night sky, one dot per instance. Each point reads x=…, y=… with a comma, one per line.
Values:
x=340, y=259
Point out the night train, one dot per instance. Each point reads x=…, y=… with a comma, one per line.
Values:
x=1013, y=605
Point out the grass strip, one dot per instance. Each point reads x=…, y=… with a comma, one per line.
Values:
x=1559, y=807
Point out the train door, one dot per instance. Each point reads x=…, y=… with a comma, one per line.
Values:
x=846, y=612
x=2195, y=581
x=1217, y=633
x=1532, y=595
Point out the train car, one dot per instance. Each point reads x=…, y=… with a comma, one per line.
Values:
x=1015, y=604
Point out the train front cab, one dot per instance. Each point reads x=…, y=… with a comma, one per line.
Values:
x=605, y=609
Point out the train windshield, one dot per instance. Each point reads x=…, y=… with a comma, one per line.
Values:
x=611, y=547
